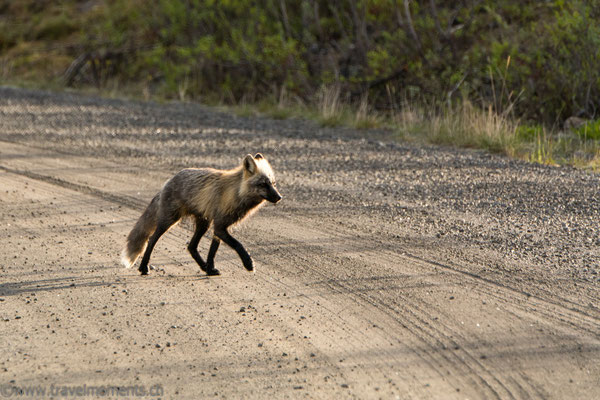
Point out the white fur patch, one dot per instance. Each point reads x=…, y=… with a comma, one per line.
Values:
x=264, y=168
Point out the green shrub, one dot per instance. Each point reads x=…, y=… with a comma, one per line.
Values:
x=589, y=130
x=529, y=132
x=55, y=27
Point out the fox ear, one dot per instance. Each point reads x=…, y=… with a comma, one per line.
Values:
x=249, y=164
x=258, y=156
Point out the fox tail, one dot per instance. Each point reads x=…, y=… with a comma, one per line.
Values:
x=139, y=235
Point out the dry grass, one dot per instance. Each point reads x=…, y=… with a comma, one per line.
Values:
x=328, y=101
x=365, y=117
x=460, y=124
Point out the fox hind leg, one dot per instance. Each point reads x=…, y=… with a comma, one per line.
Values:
x=151, y=242
x=163, y=225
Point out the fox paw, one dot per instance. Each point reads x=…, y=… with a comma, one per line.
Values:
x=212, y=272
x=249, y=265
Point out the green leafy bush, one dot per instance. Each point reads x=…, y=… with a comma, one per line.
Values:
x=530, y=132
x=589, y=130
x=534, y=60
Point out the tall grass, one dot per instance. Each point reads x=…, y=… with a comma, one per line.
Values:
x=365, y=116
x=329, y=105
x=460, y=124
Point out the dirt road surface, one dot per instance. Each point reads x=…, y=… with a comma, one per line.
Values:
x=389, y=270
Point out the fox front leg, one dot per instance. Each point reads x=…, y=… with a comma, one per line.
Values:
x=222, y=234
x=210, y=260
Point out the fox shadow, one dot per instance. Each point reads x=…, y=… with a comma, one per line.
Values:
x=53, y=284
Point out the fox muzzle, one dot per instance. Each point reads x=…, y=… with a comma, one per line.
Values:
x=273, y=196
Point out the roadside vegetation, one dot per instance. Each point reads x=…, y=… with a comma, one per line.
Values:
x=515, y=77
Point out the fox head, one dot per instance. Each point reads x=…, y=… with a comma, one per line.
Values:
x=259, y=177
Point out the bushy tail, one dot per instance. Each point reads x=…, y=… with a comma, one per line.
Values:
x=138, y=237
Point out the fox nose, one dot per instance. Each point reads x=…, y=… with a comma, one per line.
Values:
x=274, y=196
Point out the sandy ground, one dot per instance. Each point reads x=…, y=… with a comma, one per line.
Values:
x=387, y=271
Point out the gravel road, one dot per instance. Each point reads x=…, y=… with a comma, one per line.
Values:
x=389, y=270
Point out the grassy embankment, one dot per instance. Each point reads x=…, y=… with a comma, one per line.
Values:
x=500, y=76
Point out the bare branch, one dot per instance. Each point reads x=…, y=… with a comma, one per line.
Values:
x=284, y=19
x=411, y=28
x=436, y=20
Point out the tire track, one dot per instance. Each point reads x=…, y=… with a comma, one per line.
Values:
x=421, y=329
x=582, y=320
x=427, y=344
x=574, y=317
x=430, y=345
x=570, y=307
x=389, y=355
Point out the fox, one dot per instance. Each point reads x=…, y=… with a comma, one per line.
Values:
x=220, y=198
